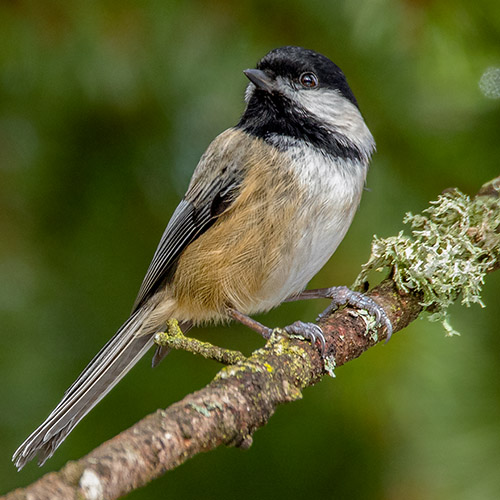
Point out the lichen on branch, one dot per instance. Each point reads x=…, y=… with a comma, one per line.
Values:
x=453, y=244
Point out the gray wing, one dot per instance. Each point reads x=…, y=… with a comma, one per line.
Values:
x=214, y=186
x=192, y=217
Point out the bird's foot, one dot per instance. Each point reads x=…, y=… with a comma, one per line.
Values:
x=309, y=331
x=341, y=295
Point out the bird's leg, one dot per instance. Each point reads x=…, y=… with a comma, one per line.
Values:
x=250, y=323
x=341, y=296
x=309, y=331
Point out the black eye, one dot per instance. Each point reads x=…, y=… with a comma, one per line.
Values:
x=308, y=80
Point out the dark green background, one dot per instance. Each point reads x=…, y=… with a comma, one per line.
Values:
x=105, y=108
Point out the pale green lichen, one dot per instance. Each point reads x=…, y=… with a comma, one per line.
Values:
x=453, y=244
x=173, y=338
x=330, y=365
x=173, y=327
x=231, y=371
x=200, y=409
x=370, y=321
x=206, y=408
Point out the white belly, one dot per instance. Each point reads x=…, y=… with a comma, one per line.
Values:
x=322, y=220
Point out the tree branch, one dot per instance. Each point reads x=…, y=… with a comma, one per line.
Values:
x=241, y=398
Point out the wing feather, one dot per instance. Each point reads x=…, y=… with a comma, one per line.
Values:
x=190, y=219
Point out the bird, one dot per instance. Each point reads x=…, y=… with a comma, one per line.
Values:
x=267, y=205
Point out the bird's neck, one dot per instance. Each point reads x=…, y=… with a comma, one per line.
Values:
x=280, y=122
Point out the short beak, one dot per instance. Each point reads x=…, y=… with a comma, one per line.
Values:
x=260, y=79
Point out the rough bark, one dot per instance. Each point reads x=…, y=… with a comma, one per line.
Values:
x=241, y=398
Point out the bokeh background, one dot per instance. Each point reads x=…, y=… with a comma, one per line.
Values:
x=105, y=109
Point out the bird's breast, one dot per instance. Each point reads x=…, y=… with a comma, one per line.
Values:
x=291, y=213
x=331, y=191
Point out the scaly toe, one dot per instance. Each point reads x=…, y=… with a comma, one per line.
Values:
x=309, y=331
x=379, y=313
x=341, y=295
x=329, y=310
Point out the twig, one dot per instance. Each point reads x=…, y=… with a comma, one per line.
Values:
x=173, y=338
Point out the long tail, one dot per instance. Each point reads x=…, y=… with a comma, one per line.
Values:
x=107, y=368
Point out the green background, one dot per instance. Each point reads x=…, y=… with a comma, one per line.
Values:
x=105, y=108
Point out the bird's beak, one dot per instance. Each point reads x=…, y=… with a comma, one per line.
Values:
x=260, y=79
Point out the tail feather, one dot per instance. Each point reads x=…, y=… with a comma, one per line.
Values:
x=107, y=368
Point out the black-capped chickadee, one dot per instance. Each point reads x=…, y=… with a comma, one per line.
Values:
x=268, y=204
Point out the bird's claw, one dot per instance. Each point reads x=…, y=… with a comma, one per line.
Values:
x=341, y=295
x=309, y=331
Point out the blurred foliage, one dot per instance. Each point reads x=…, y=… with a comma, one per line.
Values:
x=105, y=108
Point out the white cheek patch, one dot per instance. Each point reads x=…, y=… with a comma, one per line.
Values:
x=338, y=113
